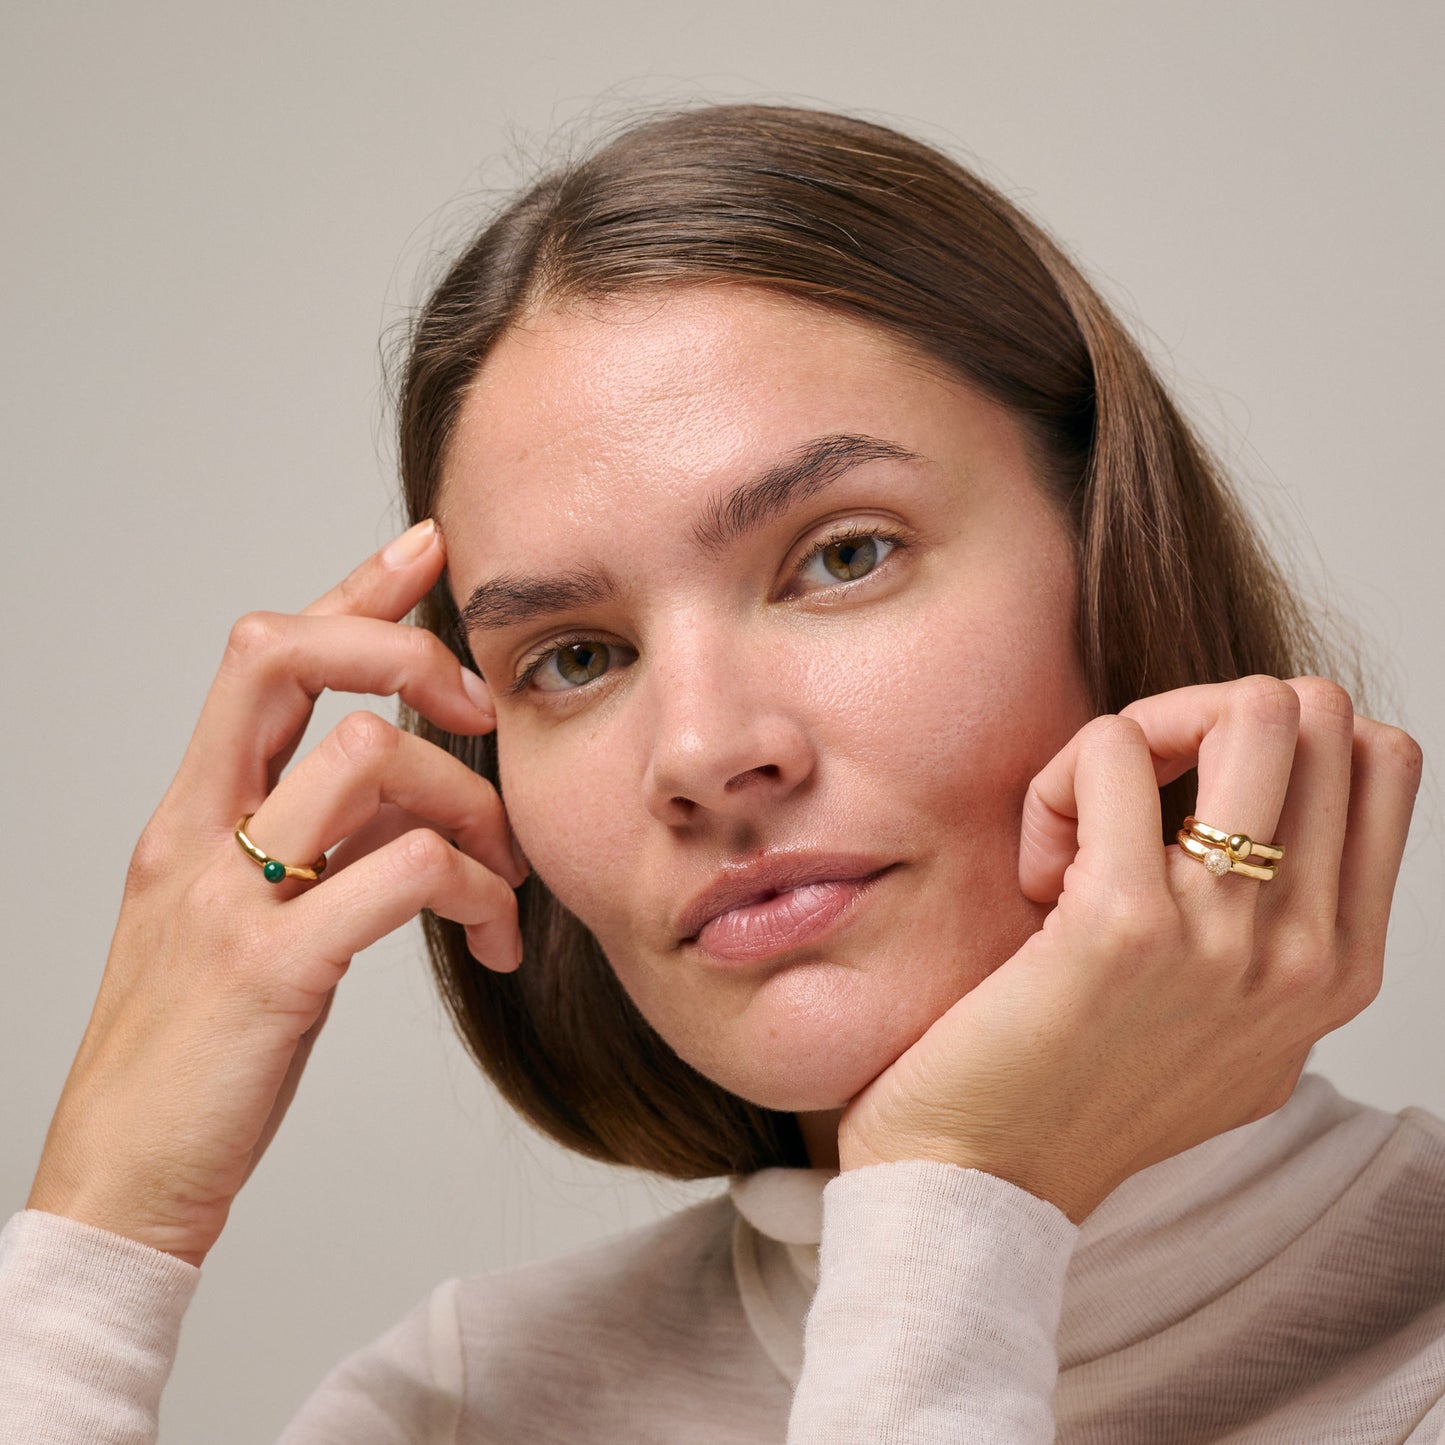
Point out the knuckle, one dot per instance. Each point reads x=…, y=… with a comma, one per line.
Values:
x=1402, y=752
x=1321, y=695
x=254, y=635
x=424, y=853
x=1295, y=988
x=354, y=591
x=150, y=860
x=1140, y=930
x=1299, y=967
x=362, y=737
x=1266, y=701
x=419, y=648
x=1354, y=991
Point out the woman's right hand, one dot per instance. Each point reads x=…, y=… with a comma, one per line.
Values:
x=218, y=982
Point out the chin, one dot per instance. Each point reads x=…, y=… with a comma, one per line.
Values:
x=813, y=1038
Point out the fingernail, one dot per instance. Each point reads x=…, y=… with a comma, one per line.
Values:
x=476, y=690
x=411, y=544
x=523, y=867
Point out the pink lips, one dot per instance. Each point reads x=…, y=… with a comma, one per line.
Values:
x=779, y=905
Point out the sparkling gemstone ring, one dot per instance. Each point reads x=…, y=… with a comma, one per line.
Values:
x=1222, y=852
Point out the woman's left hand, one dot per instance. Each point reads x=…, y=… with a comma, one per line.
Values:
x=1159, y=1005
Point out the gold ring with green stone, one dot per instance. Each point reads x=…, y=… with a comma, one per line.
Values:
x=273, y=869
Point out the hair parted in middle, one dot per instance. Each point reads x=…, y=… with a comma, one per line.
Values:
x=1174, y=585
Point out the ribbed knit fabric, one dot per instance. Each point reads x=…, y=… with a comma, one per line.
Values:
x=956, y=1343
x=1284, y=1282
x=89, y=1323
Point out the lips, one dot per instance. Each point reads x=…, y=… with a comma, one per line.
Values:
x=767, y=879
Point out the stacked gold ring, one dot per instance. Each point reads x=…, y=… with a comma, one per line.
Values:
x=1222, y=852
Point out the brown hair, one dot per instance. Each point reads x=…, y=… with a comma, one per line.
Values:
x=1174, y=585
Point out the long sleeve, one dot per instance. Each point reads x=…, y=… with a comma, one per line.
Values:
x=936, y=1313
x=89, y=1323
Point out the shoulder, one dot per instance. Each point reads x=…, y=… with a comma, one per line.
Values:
x=1400, y=1200
x=549, y=1343
x=655, y=1280
x=1425, y=1130
x=645, y=1325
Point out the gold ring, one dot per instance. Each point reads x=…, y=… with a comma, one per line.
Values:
x=1222, y=852
x=273, y=869
x=1238, y=845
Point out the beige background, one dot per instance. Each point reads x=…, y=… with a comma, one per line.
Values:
x=211, y=213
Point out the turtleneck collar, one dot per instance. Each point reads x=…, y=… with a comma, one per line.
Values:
x=1159, y=1245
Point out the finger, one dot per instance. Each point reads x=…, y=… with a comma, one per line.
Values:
x=387, y=585
x=390, y=822
x=1384, y=780
x=1096, y=802
x=364, y=762
x=1241, y=736
x=274, y=669
x=390, y=582
x=340, y=916
x=1315, y=808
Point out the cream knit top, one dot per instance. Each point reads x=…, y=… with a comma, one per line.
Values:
x=1283, y=1282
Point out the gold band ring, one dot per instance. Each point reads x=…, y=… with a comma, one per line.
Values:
x=274, y=869
x=1239, y=845
x=1222, y=852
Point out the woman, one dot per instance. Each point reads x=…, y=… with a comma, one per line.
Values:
x=833, y=613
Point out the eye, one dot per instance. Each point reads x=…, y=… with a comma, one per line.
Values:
x=847, y=557
x=570, y=665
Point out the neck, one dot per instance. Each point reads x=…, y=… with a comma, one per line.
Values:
x=820, y=1137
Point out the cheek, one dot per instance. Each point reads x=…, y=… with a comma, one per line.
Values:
x=566, y=807
x=963, y=708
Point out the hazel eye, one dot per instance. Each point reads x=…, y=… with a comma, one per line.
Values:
x=845, y=559
x=572, y=665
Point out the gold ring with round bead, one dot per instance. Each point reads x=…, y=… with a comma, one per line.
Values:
x=273, y=869
x=1220, y=861
x=1239, y=846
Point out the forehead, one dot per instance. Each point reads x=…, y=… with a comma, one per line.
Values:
x=634, y=401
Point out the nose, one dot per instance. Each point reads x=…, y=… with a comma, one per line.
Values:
x=729, y=737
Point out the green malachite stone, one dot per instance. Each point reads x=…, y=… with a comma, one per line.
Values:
x=274, y=871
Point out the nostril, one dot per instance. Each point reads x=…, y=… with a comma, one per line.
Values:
x=770, y=771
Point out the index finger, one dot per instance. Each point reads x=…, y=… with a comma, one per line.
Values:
x=1097, y=796
x=390, y=582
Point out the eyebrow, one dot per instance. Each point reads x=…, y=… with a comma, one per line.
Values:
x=808, y=469
x=509, y=600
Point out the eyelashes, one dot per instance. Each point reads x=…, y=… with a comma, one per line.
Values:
x=848, y=555
x=590, y=657
x=856, y=552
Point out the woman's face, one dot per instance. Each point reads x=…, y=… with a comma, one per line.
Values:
x=779, y=624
